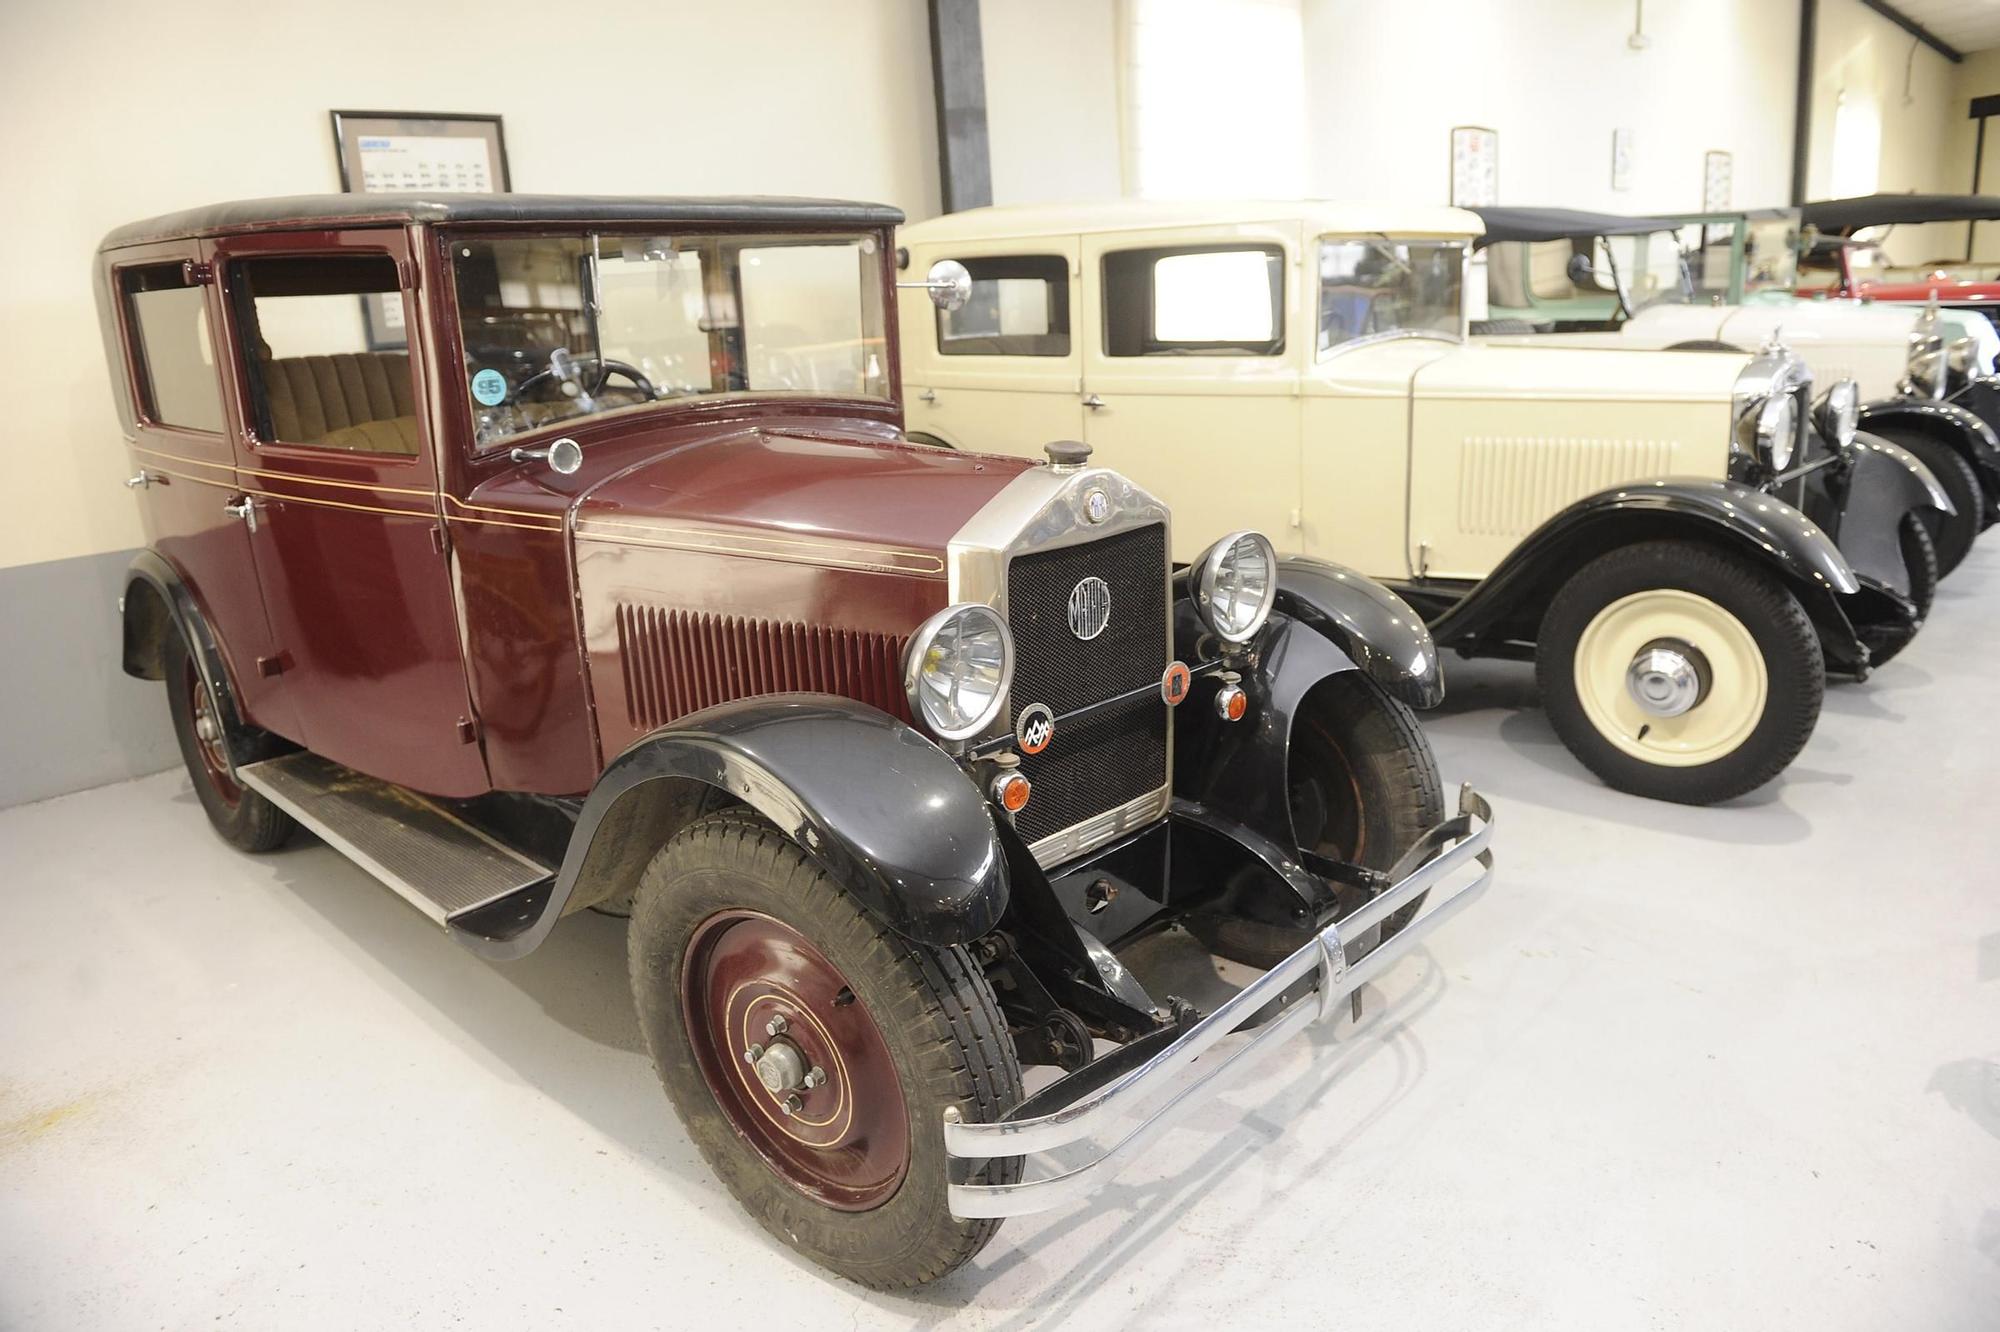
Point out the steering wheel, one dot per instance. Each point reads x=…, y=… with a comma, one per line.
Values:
x=587, y=372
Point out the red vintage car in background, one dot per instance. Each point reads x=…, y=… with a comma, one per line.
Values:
x=546, y=552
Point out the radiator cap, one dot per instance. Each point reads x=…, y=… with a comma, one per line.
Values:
x=1067, y=454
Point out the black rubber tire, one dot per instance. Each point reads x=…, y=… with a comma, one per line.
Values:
x=1350, y=735
x=1951, y=533
x=937, y=1013
x=248, y=821
x=1920, y=557
x=1707, y=345
x=1794, y=666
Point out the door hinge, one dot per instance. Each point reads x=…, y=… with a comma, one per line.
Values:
x=273, y=665
x=196, y=273
x=437, y=537
x=468, y=730
x=1423, y=558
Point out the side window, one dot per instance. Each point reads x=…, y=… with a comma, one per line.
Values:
x=173, y=356
x=1019, y=307
x=314, y=374
x=1195, y=300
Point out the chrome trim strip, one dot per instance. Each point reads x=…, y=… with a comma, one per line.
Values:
x=1098, y=829
x=1432, y=860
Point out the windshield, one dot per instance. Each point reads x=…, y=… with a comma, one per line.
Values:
x=1771, y=255
x=1586, y=280
x=1646, y=270
x=561, y=327
x=1368, y=288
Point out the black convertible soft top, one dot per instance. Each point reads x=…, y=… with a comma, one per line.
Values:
x=1842, y=217
x=1542, y=224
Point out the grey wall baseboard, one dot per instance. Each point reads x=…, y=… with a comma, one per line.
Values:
x=70, y=717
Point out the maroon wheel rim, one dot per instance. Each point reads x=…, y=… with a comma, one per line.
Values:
x=842, y=1136
x=208, y=740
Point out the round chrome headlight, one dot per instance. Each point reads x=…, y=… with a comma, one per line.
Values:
x=1235, y=581
x=957, y=669
x=1778, y=430
x=1962, y=356
x=1927, y=365
x=1839, y=413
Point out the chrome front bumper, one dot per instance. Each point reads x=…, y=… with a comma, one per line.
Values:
x=1121, y=1116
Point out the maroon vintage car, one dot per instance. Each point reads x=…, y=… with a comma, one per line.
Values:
x=543, y=553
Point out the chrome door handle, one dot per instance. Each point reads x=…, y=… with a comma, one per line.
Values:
x=244, y=507
x=144, y=480
x=928, y=395
x=1093, y=402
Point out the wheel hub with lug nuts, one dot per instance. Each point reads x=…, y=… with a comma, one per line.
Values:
x=781, y=1067
x=1667, y=678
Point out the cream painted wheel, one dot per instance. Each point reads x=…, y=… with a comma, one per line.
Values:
x=1623, y=680
x=1680, y=670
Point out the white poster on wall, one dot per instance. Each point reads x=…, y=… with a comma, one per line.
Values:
x=1718, y=171
x=1475, y=166
x=1621, y=159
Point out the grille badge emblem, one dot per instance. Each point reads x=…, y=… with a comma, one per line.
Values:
x=1035, y=727
x=1096, y=506
x=1174, y=684
x=1089, y=607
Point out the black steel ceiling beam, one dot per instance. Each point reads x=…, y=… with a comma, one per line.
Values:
x=1916, y=30
x=1802, y=107
x=958, y=77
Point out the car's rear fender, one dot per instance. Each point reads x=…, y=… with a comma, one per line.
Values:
x=158, y=602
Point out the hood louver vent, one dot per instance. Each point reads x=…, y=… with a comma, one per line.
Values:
x=677, y=662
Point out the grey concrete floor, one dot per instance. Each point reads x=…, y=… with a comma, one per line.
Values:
x=1704, y=1068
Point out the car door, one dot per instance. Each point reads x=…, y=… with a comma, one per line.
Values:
x=1003, y=373
x=340, y=498
x=182, y=458
x=1190, y=374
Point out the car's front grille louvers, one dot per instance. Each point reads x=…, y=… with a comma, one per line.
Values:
x=1118, y=754
x=678, y=661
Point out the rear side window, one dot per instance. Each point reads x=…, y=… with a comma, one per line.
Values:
x=1194, y=301
x=172, y=353
x=1019, y=307
x=318, y=372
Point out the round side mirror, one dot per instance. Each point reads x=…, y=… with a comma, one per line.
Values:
x=1579, y=271
x=950, y=284
x=566, y=455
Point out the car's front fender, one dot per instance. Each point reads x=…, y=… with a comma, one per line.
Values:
x=885, y=811
x=1372, y=625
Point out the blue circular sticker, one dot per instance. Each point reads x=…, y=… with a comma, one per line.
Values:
x=490, y=387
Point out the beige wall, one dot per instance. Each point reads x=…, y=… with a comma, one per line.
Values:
x=1052, y=99
x=1386, y=82
x=116, y=111
x=1864, y=58
x=1978, y=76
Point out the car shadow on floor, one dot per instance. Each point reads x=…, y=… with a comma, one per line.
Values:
x=1058, y=1268
x=1559, y=781
x=525, y=1016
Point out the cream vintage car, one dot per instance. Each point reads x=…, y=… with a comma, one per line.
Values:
x=1621, y=517
x=1727, y=280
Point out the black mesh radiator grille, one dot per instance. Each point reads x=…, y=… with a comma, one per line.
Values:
x=1115, y=756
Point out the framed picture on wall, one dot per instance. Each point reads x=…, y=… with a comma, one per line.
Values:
x=1475, y=166
x=415, y=152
